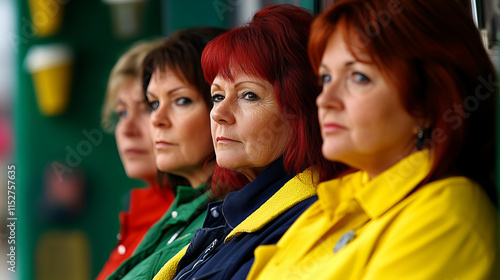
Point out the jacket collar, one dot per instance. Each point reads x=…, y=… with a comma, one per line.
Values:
x=294, y=191
x=186, y=203
x=238, y=205
x=378, y=195
x=147, y=205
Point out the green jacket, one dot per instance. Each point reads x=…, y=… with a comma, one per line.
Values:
x=168, y=236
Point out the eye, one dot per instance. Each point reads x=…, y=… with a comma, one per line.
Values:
x=183, y=101
x=360, y=78
x=121, y=113
x=324, y=79
x=154, y=105
x=248, y=95
x=217, y=98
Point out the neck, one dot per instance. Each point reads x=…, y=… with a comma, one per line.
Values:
x=200, y=175
x=151, y=181
x=378, y=167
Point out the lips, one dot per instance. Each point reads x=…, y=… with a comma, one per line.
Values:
x=163, y=144
x=135, y=152
x=332, y=127
x=224, y=140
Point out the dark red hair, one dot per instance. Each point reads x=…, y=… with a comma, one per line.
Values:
x=432, y=52
x=273, y=46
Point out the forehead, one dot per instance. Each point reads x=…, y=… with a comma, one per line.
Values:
x=340, y=47
x=336, y=48
x=131, y=89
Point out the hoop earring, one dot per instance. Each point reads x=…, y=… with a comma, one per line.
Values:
x=420, y=139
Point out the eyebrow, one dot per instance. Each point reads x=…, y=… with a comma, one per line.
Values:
x=120, y=102
x=250, y=82
x=346, y=64
x=242, y=82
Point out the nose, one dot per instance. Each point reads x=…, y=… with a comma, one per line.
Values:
x=329, y=98
x=222, y=112
x=130, y=125
x=159, y=117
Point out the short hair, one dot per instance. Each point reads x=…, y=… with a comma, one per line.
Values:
x=128, y=66
x=181, y=54
x=433, y=53
x=273, y=46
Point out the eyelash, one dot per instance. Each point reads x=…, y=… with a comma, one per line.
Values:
x=217, y=98
x=322, y=77
x=183, y=101
x=121, y=113
x=154, y=105
x=364, y=77
x=246, y=95
x=354, y=75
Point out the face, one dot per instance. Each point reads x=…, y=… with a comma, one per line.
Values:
x=248, y=129
x=132, y=133
x=180, y=126
x=363, y=122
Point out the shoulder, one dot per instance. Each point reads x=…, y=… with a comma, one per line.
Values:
x=450, y=221
x=456, y=208
x=457, y=198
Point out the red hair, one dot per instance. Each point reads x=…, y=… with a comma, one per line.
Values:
x=432, y=52
x=273, y=46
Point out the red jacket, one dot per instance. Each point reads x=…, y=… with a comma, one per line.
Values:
x=147, y=206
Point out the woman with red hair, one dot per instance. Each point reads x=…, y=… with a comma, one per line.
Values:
x=265, y=131
x=408, y=99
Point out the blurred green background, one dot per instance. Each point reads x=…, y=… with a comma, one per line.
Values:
x=51, y=243
x=54, y=243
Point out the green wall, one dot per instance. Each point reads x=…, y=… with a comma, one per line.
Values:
x=41, y=139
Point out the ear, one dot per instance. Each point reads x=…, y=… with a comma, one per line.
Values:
x=421, y=122
x=427, y=123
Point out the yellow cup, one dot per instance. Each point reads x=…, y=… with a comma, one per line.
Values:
x=51, y=67
x=126, y=17
x=46, y=16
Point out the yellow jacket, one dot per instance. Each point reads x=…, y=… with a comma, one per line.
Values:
x=296, y=190
x=446, y=229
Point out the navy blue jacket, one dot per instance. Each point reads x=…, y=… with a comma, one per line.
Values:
x=210, y=256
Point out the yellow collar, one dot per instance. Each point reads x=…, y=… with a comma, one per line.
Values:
x=294, y=191
x=381, y=193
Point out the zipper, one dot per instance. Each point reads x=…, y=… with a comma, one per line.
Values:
x=201, y=260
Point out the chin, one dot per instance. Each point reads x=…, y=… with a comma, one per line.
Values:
x=228, y=164
x=330, y=153
x=137, y=174
x=164, y=168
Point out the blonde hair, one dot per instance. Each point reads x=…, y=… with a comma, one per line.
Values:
x=129, y=65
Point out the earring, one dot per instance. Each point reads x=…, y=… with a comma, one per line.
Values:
x=420, y=138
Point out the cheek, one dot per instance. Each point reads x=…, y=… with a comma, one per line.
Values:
x=366, y=116
x=270, y=135
x=146, y=135
x=118, y=135
x=253, y=129
x=378, y=122
x=213, y=127
x=198, y=131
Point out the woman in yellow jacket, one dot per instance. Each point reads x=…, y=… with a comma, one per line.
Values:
x=408, y=99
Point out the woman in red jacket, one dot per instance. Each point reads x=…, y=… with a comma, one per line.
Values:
x=126, y=102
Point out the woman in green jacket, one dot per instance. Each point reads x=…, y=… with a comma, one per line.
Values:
x=180, y=128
